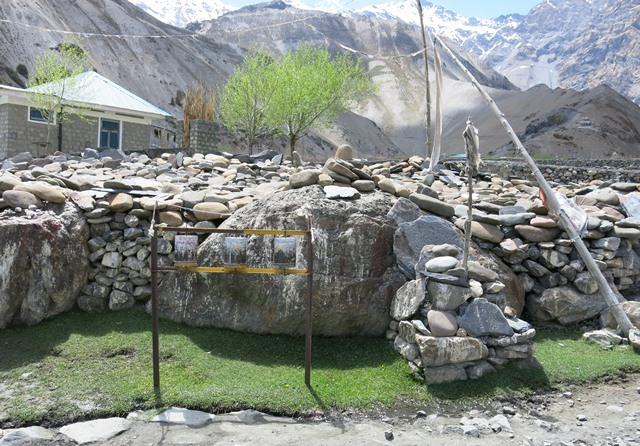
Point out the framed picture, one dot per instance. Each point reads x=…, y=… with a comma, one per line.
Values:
x=284, y=251
x=186, y=250
x=235, y=251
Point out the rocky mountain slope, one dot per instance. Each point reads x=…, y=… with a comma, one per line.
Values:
x=561, y=43
x=573, y=44
x=115, y=34
x=386, y=46
x=120, y=42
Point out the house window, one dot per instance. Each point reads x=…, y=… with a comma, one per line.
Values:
x=110, y=133
x=37, y=115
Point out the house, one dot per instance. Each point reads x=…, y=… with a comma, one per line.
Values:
x=114, y=118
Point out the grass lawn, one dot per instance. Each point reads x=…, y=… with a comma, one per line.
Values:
x=82, y=365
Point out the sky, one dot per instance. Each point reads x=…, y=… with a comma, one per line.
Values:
x=488, y=9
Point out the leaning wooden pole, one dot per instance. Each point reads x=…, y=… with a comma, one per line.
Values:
x=427, y=142
x=629, y=330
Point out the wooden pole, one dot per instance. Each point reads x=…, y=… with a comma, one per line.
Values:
x=309, y=321
x=154, y=309
x=467, y=225
x=427, y=142
x=610, y=297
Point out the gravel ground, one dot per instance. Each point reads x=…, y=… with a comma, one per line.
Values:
x=604, y=413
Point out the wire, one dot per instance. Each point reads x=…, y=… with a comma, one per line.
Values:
x=89, y=34
x=196, y=36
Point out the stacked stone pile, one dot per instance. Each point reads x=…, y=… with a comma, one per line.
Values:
x=444, y=327
x=513, y=235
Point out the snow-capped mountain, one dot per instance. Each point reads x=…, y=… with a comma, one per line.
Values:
x=560, y=43
x=182, y=12
x=573, y=44
x=468, y=32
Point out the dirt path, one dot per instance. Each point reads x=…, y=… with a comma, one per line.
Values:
x=606, y=413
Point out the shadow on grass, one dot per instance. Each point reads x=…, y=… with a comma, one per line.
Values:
x=25, y=345
x=20, y=346
x=509, y=381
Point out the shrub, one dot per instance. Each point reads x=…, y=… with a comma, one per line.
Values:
x=22, y=70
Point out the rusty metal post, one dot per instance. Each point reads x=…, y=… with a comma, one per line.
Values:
x=154, y=309
x=309, y=324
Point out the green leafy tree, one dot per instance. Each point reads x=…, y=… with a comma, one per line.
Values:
x=55, y=75
x=245, y=105
x=306, y=89
x=314, y=89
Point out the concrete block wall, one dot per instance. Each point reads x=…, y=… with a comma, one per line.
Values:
x=18, y=134
x=203, y=136
x=78, y=134
x=135, y=136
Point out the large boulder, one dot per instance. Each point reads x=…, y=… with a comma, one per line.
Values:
x=565, y=305
x=44, y=263
x=450, y=350
x=631, y=309
x=354, y=276
x=413, y=236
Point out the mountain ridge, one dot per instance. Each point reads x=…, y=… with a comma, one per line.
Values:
x=118, y=38
x=561, y=43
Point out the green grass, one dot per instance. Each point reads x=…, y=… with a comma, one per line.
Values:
x=80, y=366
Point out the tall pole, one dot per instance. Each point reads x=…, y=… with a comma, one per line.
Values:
x=154, y=309
x=610, y=297
x=427, y=142
x=309, y=321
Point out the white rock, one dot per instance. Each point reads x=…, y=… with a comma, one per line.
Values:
x=95, y=430
x=186, y=417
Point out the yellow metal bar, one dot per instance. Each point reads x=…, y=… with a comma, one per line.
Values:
x=237, y=269
x=274, y=232
x=229, y=231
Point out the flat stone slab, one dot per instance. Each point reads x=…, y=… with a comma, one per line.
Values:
x=191, y=418
x=341, y=192
x=95, y=430
x=25, y=436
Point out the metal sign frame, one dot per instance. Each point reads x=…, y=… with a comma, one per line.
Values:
x=229, y=269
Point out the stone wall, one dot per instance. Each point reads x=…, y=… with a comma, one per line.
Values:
x=567, y=171
x=522, y=254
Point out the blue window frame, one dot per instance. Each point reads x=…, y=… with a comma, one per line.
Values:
x=110, y=133
x=36, y=115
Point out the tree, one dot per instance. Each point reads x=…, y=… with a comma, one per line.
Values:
x=306, y=89
x=245, y=105
x=314, y=89
x=55, y=74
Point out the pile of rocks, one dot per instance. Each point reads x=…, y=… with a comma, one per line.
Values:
x=446, y=327
x=119, y=198
x=121, y=195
